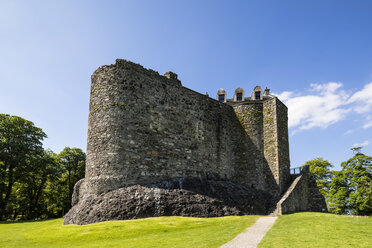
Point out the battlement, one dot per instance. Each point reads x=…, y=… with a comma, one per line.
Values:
x=130, y=67
x=239, y=96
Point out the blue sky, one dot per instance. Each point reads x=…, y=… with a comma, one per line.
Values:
x=315, y=55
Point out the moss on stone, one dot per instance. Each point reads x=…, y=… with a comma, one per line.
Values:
x=122, y=106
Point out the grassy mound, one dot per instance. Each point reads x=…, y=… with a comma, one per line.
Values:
x=151, y=232
x=294, y=230
x=319, y=230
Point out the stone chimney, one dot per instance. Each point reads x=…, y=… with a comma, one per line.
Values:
x=171, y=75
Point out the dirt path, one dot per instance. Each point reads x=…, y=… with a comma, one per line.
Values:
x=253, y=235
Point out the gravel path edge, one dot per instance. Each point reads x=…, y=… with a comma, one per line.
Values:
x=253, y=235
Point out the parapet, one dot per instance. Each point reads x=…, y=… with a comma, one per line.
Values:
x=239, y=96
x=123, y=64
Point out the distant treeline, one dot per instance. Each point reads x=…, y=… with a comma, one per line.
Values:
x=34, y=183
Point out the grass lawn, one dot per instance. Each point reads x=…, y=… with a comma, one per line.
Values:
x=319, y=230
x=151, y=232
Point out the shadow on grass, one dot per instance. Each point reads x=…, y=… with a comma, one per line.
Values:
x=24, y=221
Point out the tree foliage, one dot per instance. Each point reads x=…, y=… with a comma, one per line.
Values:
x=30, y=189
x=351, y=188
x=320, y=170
x=72, y=161
x=34, y=182
x=20, y=143
x=348, y=191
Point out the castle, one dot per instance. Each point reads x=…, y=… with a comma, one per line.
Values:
x=157, y=148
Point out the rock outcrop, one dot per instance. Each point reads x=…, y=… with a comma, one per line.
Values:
x=193, y=197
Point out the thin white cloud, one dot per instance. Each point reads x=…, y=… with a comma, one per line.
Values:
x=320, y=109
x=363, y=144
x=363, y=99
x=326, y=104
x=350, y=131
x=368, y=124
x=330, y=87
x=284, y=96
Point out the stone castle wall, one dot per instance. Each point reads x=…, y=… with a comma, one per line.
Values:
x=156, y=148
x=270, y=138
x=283, y=145
x=260, y=127
x=146, y=128
x=276, y=146
x=265, y=122
x=302, y=195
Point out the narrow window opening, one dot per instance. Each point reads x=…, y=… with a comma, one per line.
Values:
x=221, y=98
x=257, y=95
x=239, y=96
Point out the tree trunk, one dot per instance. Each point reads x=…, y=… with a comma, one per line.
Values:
x=8, y=192
x=36, y=197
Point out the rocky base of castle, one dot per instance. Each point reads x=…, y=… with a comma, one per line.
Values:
x=193, y=197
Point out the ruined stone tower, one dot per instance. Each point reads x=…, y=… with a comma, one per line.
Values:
x=264, y=119
x=158, y=148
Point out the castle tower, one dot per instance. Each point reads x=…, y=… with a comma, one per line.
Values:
x=264, y=119
x=276, y=145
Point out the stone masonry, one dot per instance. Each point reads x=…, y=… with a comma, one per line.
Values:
x=157, y=148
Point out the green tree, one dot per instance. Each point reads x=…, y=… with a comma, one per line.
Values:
x=338, y=192
x=73, y=162
x=320, y=171
x=41, y=169
x=351, y=188
x=20, y=142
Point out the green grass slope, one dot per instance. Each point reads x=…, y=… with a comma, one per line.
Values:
x=319, y=230
x=151, y=232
